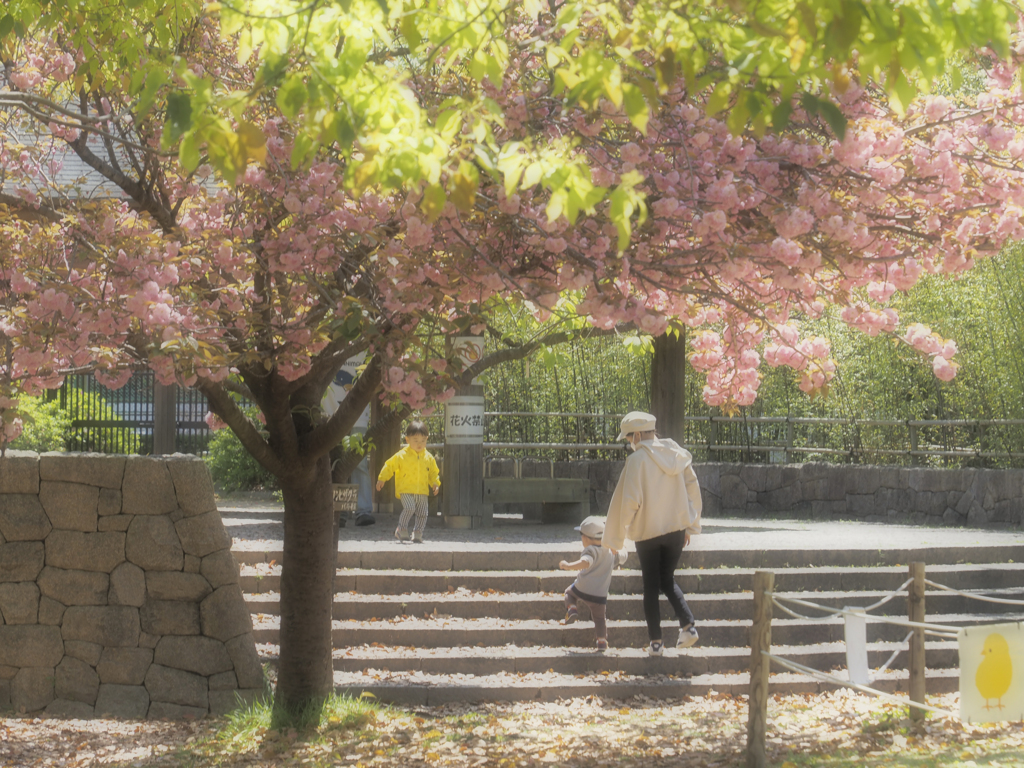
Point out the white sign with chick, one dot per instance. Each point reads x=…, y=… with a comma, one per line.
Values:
x=991, y=673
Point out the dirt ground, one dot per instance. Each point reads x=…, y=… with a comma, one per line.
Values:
x=836, y=729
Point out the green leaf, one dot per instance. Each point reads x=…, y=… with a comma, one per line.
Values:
x=666, y=67
x=6, y=25
x=301, y=150
x=179, y=114
x=463, y=186
x=188, y=153
x=810, y=103
x=410, y=31
x=433, y=201
x=719, y=98
x=155, y=79
x=781, y=113
x=835, y=118
x=291, y=96
x=636, y=107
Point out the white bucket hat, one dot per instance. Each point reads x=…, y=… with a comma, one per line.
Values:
x=635, y=421
x=592, y=527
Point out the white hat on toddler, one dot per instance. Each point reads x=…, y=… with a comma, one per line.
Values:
x=635, y=421
x=592, y=527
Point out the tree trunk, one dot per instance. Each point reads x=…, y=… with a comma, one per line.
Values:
x=668, y=385
x=306, y=672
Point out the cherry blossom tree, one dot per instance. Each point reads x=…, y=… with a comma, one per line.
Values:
x=267, y=211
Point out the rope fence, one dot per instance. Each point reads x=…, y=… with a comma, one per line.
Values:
x=765, y=599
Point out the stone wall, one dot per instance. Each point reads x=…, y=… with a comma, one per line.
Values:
x=119, y=594
x=917, y=495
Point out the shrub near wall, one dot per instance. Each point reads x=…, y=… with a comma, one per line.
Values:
x=977, y=498
x=119, y=594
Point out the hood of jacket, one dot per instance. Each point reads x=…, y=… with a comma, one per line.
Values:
x=667, y=454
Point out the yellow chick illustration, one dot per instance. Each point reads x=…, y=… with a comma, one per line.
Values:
x=995, y=672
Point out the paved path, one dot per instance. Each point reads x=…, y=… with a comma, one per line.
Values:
x=254, y=523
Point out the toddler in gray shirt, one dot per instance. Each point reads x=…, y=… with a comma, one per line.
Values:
x=595, y=564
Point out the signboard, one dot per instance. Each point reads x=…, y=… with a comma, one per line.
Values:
x=991, y=673
x=470, y=350
x=345, y=497
x=464, y=420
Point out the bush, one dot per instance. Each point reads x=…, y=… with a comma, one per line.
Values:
x=46, y=426
x=232, y=467
x=109, y=438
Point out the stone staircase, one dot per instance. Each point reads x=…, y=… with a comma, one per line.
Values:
x=478, y=621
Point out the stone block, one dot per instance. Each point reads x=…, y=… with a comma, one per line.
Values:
x=72, y=710
x=147, y=640
x=224, y=614
x=74, y=550
x=88, y=652
x=147, y=487
x=22, y=518
x=74, y=587
x=110, y=625
x=175, y=585
x=19, y=603
x=51, y=612
x=964, y=503
x=863, y=505
x=127, y=701
x=248, y=669
x=8, y=673
x=782, y=499
x=203, y=534
x=168, y=617
x=70, y=506
x=124, y=666
x=223, y=681
x=220, y=568
x=162, y=710
x=5, y=695
x=977, y=516
x=177, y=687
x=115, y=523
x=109, y=502
x=127, y=585
x=202, y=655
x=1005, y=511
x=193, y=485
x=100, y=469
x=153, y=545
x=192, y=564
x=30, y=645
x=19, y=472
x=32, y=689
x=761, y=477
x=77, y=681
x=734, y=492
x=950, y=517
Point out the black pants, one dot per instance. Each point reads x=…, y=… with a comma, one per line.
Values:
x=658, y=560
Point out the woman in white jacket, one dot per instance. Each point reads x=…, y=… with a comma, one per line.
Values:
x=657, y=504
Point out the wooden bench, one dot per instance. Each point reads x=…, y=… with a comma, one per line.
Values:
x=562, y=499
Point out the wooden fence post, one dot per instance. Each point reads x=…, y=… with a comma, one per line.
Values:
x=760, y=640
x=915, y=612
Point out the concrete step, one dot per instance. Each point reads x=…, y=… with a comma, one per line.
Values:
x=439, y=556
x=455, y=632
x=463, y=603
x=420, y=689
x=697, y=660
x=974, y=576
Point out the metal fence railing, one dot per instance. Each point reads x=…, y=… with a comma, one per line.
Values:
x=121, y=420
x=994, y=443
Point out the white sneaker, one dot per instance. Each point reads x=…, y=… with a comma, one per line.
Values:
x=687, y=637
x=656, y=648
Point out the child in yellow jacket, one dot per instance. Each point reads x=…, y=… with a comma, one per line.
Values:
x=415, y=471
